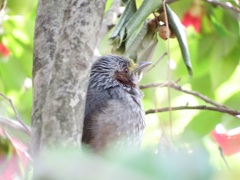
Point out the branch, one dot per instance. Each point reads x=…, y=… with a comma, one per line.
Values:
x=62, y=114
x=170, y=1
x=18, y=118
x=179, y=88
x=209, y=108
x=47, y=28
x=225, y=5
x=223, y=156
x=152, y=85
x=218, y=107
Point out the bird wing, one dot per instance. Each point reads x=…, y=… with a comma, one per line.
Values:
x=94, y=103
x=114, y=115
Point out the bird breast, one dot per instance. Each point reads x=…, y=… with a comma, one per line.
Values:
x=119, y=122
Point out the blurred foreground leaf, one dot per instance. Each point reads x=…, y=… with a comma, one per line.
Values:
x=145, y=165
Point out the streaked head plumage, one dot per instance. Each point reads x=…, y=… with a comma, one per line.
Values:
x=113, y=70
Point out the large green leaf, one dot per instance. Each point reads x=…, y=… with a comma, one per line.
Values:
x=221, y=69
x=203, y=85
x=233, y=101
x=200, y=126
x=230, y=122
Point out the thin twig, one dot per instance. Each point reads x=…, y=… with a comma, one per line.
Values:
x=218, y=108
x=152, y=66
x=169, y=72
x=152, y=85
x=202, y=107
x=171, y=84
x=223, y=157
x=18, y=118
x=225, y=5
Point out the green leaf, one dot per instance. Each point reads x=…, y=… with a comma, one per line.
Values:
x=199, y=48
x=129, y=37
x=225, y=23
x=203, y=85
x=230, y=122
x=108, y=5
x=200, y=126
x=127, y=14
x=12, y=74
x=26, y=99
x=233, y=101
x=206, y=25
x=20, y=7
x=222, y=69
x=179, y=31
x=231, y=23
x=219, y=29
x=146, y=8
x=134, y=41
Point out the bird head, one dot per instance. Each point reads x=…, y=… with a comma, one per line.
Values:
x=130, y=73
x=113, y=70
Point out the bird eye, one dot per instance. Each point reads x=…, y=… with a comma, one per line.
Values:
x=126, y=70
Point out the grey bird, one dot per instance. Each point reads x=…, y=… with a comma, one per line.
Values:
x=114, y=115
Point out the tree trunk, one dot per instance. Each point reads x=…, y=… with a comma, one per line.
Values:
x=65, y=38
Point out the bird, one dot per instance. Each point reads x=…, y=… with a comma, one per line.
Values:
x=114, y=115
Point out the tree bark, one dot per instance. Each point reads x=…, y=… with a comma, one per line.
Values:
x=65, y=38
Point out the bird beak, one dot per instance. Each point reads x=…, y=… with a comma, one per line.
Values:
x=141, y=67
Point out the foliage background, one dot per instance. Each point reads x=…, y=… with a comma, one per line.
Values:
x=215, y=55
x=16, y=69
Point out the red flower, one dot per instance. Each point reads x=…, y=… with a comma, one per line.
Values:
x=4, y=50
x=229, y=141
x=190, y=20
x=193, y=15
